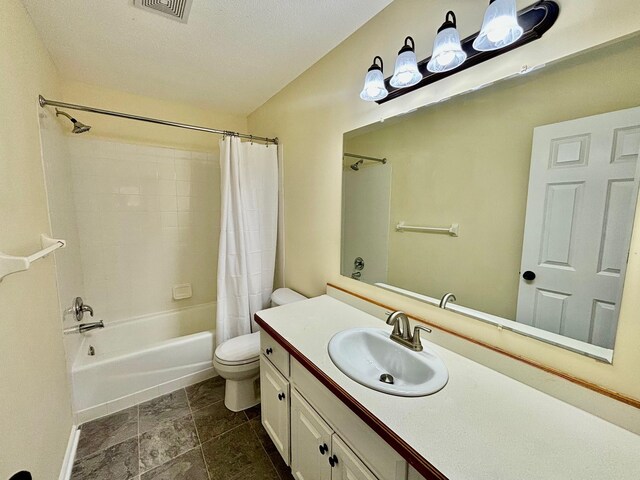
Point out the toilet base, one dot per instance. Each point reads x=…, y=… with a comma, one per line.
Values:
x=242, y=394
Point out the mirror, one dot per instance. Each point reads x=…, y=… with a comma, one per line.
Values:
x=519, y=198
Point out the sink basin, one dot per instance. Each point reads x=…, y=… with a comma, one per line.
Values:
x=371, y=358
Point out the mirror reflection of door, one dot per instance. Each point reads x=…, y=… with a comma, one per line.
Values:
x=583, y=187
x=365, y=221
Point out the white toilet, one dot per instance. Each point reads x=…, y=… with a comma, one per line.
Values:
x=238, y=361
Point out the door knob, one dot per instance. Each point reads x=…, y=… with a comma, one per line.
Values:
x=324, y=449
x=529, y=275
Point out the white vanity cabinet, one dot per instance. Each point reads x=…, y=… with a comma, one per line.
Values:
x=318, y=436
x=317, y=452
x=275, y=413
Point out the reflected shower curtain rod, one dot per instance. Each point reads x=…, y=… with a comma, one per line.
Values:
x=363, y=157
x=44, y=102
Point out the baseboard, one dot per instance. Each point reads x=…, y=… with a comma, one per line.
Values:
x=70, y=454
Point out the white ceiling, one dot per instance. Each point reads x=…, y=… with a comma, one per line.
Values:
x=232, y=55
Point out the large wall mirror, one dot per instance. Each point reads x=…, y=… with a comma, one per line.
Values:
x=519, y=198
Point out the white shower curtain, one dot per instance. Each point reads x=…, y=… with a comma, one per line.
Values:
x=248, y=233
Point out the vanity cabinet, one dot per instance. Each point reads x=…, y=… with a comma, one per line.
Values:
x=317, y=452
x=318, y=436
x=274, y=395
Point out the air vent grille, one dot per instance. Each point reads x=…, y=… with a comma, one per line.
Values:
x=175, y=9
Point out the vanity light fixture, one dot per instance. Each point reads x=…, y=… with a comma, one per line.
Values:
x=406, y=73
x=503, y=29
x=374, y=88
x=447, y=51
x=500, y=27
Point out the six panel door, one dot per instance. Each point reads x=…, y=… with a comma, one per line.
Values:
x=583, y=187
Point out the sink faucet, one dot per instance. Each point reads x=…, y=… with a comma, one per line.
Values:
x=446, y=298
x=403, y=335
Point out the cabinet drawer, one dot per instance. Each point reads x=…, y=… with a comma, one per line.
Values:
x=276, y=354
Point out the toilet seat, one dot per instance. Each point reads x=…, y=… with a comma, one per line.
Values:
x=240, y=350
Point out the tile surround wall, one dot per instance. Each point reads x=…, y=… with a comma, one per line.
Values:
x=147, y=219
x=62, y=215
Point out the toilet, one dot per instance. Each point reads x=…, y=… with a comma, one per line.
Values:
x=238, y=361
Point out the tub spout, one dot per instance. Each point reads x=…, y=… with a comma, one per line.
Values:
x=83, y=327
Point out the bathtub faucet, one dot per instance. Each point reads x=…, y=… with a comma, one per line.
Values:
x=83, y=327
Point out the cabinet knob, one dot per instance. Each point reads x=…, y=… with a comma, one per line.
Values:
x=269, y=351
x=324, y=449
x=281, y=396
x=333, y=461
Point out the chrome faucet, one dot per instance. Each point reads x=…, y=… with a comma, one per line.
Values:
x=79, y=308
x=402, y=335
x=446, y=298
x=83, y=327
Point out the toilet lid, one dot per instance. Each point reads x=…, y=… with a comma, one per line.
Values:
x=239, y=350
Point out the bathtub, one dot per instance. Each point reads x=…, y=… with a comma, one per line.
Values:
x=140, y=358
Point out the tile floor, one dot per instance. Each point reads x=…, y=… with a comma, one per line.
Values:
x=184, y=435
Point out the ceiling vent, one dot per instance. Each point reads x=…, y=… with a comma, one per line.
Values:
x=174, y=9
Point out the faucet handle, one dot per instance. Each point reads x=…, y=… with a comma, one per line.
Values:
x=79, y=308
x=416, y=344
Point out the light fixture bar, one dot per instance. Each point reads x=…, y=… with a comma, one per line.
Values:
x=535, y=20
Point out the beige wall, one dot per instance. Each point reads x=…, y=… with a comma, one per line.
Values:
x=311, y=114
x=148, y=133
x=467, y=161
x=35, y=402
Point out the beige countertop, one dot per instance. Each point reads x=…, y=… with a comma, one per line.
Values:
x=483, y=424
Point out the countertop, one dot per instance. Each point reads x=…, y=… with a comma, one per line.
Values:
x=482, y=425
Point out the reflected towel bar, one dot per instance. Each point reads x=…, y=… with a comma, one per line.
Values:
x=10, y=264
x=452, y=230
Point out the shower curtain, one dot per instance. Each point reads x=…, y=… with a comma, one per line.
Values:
x=248, y=233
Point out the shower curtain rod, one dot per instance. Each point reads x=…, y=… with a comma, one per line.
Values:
x=362, y=157
x=44, y=102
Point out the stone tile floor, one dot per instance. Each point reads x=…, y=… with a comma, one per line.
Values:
x=185, y=435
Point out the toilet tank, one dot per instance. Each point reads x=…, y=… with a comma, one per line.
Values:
x=282, y=296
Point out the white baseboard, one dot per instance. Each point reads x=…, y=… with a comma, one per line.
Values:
x=70, y=454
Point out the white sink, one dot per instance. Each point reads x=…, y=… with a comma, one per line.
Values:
x=366, y=354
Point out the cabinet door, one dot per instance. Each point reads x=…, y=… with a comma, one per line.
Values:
x=310, y=442
x=274, y=395
x=345, y=464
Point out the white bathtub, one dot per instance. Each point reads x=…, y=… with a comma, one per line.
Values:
x=141, y=358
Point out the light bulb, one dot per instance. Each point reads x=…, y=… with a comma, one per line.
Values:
x=406, y=73
x=447, y=51
x=499, y=28
x=374, y=88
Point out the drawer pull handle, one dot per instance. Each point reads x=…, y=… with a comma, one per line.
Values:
x=269, y=351
x=324, y=449
x=333, y=461
x=281, y=396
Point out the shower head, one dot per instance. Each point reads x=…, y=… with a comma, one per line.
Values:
x=356, y=166
x=78, y=127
